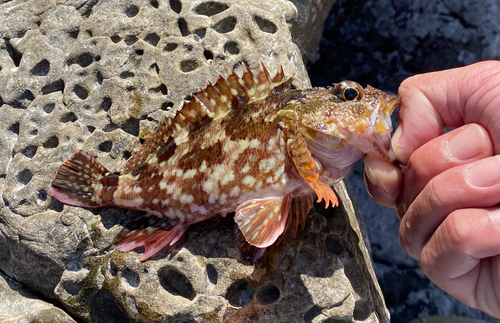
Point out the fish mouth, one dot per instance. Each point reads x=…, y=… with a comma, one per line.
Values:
x=391, y=102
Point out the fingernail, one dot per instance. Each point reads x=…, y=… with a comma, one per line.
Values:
x=468, y=143
x=370, y=174
x=495, y=216
x=484, y=174
x=395, y=140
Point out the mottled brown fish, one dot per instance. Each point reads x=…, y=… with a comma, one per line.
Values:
x=249, y=144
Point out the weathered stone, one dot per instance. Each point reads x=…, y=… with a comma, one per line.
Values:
x=21, y=306
x=98, y=76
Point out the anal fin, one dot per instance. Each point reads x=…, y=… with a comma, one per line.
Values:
x=158, y=234
x=262, y=221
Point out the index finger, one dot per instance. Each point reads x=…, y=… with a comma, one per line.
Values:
x=433, y=101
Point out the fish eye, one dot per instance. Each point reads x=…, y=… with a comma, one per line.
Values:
x=348, y=91
x=349, y=94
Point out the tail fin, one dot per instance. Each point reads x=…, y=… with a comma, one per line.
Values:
x=83, y=181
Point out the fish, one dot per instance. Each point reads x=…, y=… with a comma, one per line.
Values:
x=249, y=144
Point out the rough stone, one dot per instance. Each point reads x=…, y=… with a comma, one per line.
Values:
x=21, y=306
x=98, y=76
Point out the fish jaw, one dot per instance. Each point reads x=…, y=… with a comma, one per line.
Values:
x=376, y=141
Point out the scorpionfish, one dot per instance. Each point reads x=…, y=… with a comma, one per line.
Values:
x=247, y=144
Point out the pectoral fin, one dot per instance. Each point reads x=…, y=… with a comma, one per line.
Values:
x=262, y=221
x=306, y=166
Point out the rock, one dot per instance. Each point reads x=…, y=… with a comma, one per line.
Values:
x=19, y=305
x=98, y=76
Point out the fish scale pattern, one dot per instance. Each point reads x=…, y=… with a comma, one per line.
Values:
x=99, y=76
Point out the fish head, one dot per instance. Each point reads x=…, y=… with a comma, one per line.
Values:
x=350, y=117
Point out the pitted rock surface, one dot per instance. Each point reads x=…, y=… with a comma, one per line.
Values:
x=98, y=75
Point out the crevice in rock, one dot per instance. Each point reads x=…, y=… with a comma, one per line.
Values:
x=14, y=54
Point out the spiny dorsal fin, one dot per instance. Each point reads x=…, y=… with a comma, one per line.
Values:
x=209, y=103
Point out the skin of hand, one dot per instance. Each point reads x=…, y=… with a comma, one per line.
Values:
x=447, y=190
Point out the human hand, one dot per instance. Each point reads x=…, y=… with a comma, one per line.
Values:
x=447, y=194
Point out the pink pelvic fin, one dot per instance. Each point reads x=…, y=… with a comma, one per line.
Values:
x=262, y=221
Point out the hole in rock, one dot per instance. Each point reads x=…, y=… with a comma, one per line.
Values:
x=267, y=294
x=129, y=40
x=71, y=287
x=265, y=25
x=189, y=65
x=91, y=129
x=55, y=86
x=69, y=117
x=165, y=106
x=41, y=69
x=200, y=32
x=105, y=146
x=26, y=95
x=52, y=142
x=55, y=205
x=73, y=33
x=80, y=92
x=176, y=6
x=362, y=310
x=98, y=77
x=312, y=313
x=104, y=309
x=334, y=245
x=24, y=176
x=42, y=195
x=49, y=107
x=131, y=11
x=208, y=54
x=89, y=32
x=131, y=277
x=334, y=320
x=126, y=74
x=210, y=8
x=126, y=155
x=154, y=4
x=34, y=132
x=212, y=274
x=152, y=39
x=115, y=39
x=155, y=67
x=131, y=126
x=106, y=104
x=225, y=25
x=176, y=283
x=139, y=52
x=183, y=27
x=112, y=268
x=240, y=293
x=109, y=127
x=29, y=151
x=232, y=47
x=83, y=60
x=170, y=47
x=162, y=88
x=14, y=128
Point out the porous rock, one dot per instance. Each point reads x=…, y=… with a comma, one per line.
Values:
x=21, y=306
x=98, y=76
